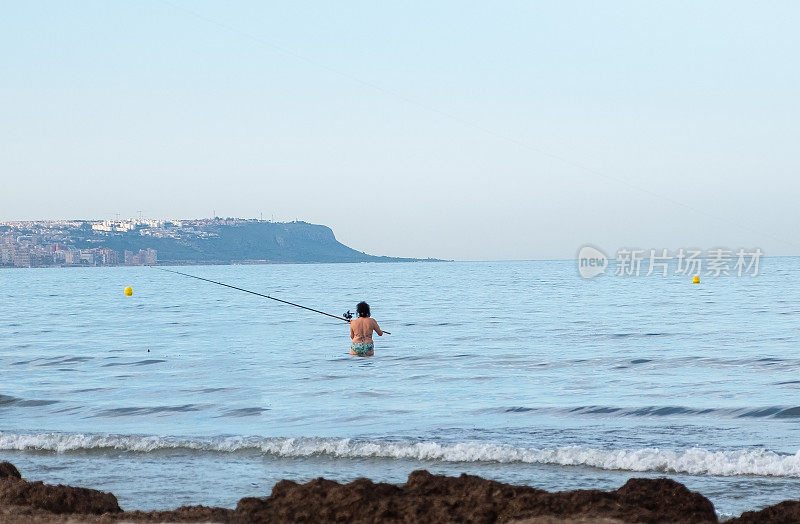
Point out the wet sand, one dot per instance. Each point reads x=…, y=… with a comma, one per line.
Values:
x=424, y=498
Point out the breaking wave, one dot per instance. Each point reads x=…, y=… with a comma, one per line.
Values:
x=694, y=461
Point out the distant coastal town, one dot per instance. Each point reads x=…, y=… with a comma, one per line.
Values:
x=137, y=242
x=54, y=243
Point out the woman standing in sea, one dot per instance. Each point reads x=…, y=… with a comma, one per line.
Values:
x=361, y=329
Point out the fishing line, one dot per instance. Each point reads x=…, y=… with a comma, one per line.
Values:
x=345, y=317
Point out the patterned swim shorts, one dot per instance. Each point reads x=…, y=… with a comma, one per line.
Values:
x=362, y=349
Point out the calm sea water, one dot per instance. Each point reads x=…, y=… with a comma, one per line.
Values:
x=189, y=393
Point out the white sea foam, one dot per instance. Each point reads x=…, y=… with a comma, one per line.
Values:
x=694, y=461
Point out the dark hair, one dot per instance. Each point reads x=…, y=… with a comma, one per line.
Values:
x=362, y=309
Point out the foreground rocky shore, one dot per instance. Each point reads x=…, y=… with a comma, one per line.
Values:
x=423, y=498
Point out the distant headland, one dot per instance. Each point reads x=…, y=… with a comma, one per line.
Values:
x=67, y=243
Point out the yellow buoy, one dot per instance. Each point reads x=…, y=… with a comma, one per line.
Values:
x=129, y=291
x=696, y=279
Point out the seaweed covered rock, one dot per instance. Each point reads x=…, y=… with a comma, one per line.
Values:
x=787, y=512
x=7, y=470
x=423, y=498
x=56, y=499
x=437, y=498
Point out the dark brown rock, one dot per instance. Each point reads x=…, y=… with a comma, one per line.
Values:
x=7, y=469
x=666, y=499
x=787, y=512
x=56, y=499
x=436, y=498
x=423, y=498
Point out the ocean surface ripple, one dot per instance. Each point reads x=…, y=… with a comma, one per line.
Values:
x=518, y=371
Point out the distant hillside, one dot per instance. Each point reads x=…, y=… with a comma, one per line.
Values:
x=255, y=241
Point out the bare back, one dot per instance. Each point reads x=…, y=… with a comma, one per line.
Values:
x=361, y=329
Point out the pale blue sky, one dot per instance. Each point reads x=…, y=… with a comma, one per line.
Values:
x=466, y=130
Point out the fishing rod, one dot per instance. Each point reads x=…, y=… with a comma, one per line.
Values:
x=346, y=317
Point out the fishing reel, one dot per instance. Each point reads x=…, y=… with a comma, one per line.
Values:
x=348, y=316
